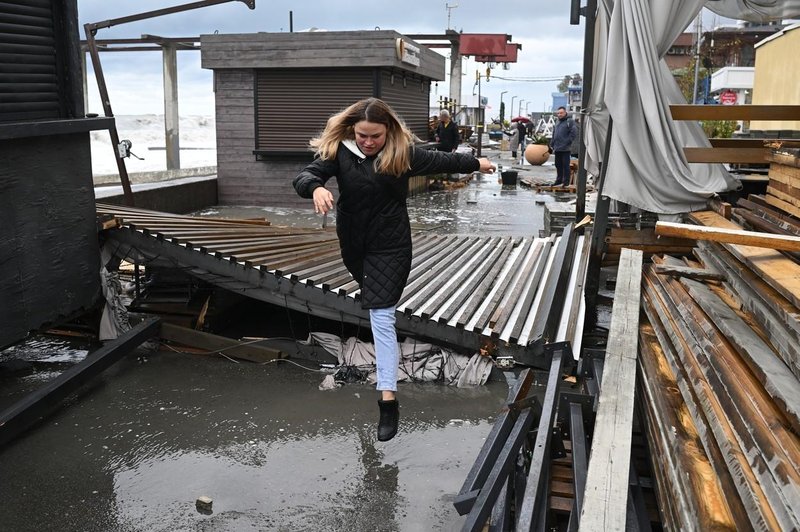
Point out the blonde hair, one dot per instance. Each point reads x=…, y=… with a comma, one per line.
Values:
x=395, y=157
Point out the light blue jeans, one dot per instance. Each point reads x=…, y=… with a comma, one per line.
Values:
x=387, y=354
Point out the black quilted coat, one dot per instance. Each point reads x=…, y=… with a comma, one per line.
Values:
x=371, y=217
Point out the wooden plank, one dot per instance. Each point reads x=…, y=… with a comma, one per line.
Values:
x=771, y=452
x=726, y=155
x=775, y=217
x=778, y=381
x=744, y=142
x=719, y=437
x=694, y=485
x=735, y=112
x=645, y=236
x=39, y=403
x=695, y=407
x=785, y=158
x=691, y=273
x=782, y=205
x=723, y=208
x=605, y=500
x=780, y=272
x=729, y=235
x=785, y=174
x=781, y=193
x=218, y=344
x=769, y=309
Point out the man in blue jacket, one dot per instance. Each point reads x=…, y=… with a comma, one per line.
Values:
x=563, y=135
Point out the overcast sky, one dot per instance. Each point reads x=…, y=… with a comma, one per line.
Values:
x=551, y=47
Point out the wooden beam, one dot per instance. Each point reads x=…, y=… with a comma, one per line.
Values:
x=606, y=497
x=31, y=408
x=213, y=344
x=730, y=236
x=726, y=155
x=691, y=273
x=744, y=142
x=735, y=112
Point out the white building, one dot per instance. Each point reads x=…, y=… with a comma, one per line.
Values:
x=736, y=80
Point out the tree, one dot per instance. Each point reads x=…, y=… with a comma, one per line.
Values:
x=574, y=79
x=502, y=111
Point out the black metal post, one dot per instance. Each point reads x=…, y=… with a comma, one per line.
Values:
x=533, y=509
x=590, y=14
x=598, y=237
x=479, y=127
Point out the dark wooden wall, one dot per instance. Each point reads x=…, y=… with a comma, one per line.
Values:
x=49, y=254
x=241, y=179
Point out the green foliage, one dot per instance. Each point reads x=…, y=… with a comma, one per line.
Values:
x=685, y=78
x=574, y=79
x=540, y=139
x=718, y=129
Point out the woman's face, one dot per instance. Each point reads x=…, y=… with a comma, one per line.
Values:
x=370, y=137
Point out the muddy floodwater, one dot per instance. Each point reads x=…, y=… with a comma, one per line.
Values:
x=135, y=449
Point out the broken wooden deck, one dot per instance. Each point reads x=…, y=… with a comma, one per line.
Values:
x=510, y=295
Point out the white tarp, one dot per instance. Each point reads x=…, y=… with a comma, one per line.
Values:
x=418, y=361
x=633, y=85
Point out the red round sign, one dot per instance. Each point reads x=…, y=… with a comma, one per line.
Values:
x=727, y=98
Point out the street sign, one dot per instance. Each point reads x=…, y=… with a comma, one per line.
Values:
x=728, y=98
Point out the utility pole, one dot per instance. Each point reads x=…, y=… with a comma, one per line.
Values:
x=698, y=27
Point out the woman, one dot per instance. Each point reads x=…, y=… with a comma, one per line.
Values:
x=513, y=140
x=372, y=154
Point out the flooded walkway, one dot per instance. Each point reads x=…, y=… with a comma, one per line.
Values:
x=137, y=449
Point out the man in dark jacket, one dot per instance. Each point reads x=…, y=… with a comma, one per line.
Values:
x=447, y=132
x=563, y=135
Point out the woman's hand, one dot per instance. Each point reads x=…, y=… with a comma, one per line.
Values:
x=323, y=200
x=486, y=166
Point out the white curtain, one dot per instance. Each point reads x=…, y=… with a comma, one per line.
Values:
x=633, y=85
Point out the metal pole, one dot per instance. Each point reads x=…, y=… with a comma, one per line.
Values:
x=169, y=52
x=519, y=111
x=588, y=68
x=480, y=115
x=104, y=99
x=91, y=30
x=696, y=57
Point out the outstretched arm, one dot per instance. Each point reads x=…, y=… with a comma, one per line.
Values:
x=310, y=183
x=425, y=162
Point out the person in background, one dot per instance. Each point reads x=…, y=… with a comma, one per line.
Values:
x=513, y=139
x=372, y=155
x=563, y=134
x=447, y=134
x=523, y=131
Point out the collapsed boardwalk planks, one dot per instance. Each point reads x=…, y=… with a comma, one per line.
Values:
x=724, y=434
x=606, y=493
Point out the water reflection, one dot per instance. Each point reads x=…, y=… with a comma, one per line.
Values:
x=483, y=206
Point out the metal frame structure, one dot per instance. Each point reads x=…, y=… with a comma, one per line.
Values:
x=91, y=30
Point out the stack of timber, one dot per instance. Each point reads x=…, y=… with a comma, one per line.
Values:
x=719, y=374
x=644, y=239
x=783, y=190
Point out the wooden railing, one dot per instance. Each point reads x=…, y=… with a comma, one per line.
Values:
x=737, y=150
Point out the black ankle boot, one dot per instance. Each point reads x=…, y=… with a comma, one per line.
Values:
x=390, y=414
